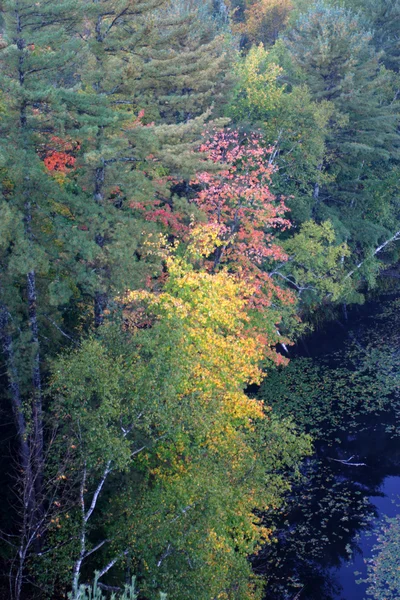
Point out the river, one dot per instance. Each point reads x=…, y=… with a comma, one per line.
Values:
x=343, y=386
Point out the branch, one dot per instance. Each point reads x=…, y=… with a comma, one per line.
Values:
x=95, y=548
x=165, y=554
x=394, y=238
x=138, y=450
x=122, y=159
x=112, y=563
x=106, y=472
x=113, y=22
x=347, y=462
x=59, y=329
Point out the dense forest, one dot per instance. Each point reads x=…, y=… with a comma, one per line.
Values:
x=188, y=188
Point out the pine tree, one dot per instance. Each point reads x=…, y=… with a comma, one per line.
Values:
x=38, y=45
x=340, y=65
x=383, y=18
x=148, y=70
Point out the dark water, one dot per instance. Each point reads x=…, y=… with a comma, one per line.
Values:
x=328, y=529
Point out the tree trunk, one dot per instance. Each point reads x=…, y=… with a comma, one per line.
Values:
x=26, y=477
x=15, y=393
x=100, y=297
x=36, y=381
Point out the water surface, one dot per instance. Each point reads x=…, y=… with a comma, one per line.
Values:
x=329, y=527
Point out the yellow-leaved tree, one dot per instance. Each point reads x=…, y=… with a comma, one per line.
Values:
x=192, y=461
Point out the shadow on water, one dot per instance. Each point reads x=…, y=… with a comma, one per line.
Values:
x=327, y=529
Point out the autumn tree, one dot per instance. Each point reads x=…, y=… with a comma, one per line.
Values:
x=266, y=19
x=259, y=20
x=246, y=215
x=173, y=452
x=293, y=124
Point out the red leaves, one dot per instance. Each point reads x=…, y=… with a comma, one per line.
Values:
x=59, y=161
x=239, y=200
x=59, y=155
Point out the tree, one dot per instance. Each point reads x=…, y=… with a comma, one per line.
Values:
x=148, y=125
x=316, y=267
x=266, y=19
x=383, y=18
x=38, y=44
x=187, y=450
x=245, y=214
x=293, y=124
x=340, y=65
x=260, y=20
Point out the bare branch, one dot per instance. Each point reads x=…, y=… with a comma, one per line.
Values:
x=394, y=238
x=112, y=563
x=348, y=463
x=95, y=548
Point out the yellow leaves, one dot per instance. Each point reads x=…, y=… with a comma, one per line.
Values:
x=204, y=240
x=212, y=311
x=266, y=18
x=62, y=209
x=259, y=80
x=210, y=458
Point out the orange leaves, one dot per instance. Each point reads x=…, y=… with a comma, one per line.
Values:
x=59, y=161
x=59, y=155
x=239, y=202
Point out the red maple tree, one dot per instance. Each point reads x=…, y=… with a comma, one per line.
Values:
x=239, y=201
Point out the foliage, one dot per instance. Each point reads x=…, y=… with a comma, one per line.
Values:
x=260, y=20
x=240, y=205
x=316, y=264
x=339, y=64
x=199, y=452
x=382, y=18
x=266, y=19
x=258, y=92
x=145, y=452
x=293, y=124
x=383, y=568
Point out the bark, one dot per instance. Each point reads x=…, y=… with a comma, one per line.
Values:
x=85, y=516
x=100, y=304
x=316, y=194
x=20, y=422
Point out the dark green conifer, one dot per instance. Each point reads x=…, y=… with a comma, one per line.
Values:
x=340, y=64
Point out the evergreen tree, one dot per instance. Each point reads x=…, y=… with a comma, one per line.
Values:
x=383, y=18
x=149, y=70
x=38, y=45
x=340, y=65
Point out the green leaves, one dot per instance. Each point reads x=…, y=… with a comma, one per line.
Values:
x=383, y=568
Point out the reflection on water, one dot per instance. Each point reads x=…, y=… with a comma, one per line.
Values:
x=328, y=527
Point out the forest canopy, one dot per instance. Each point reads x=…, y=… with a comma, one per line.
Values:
x=187, y=187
